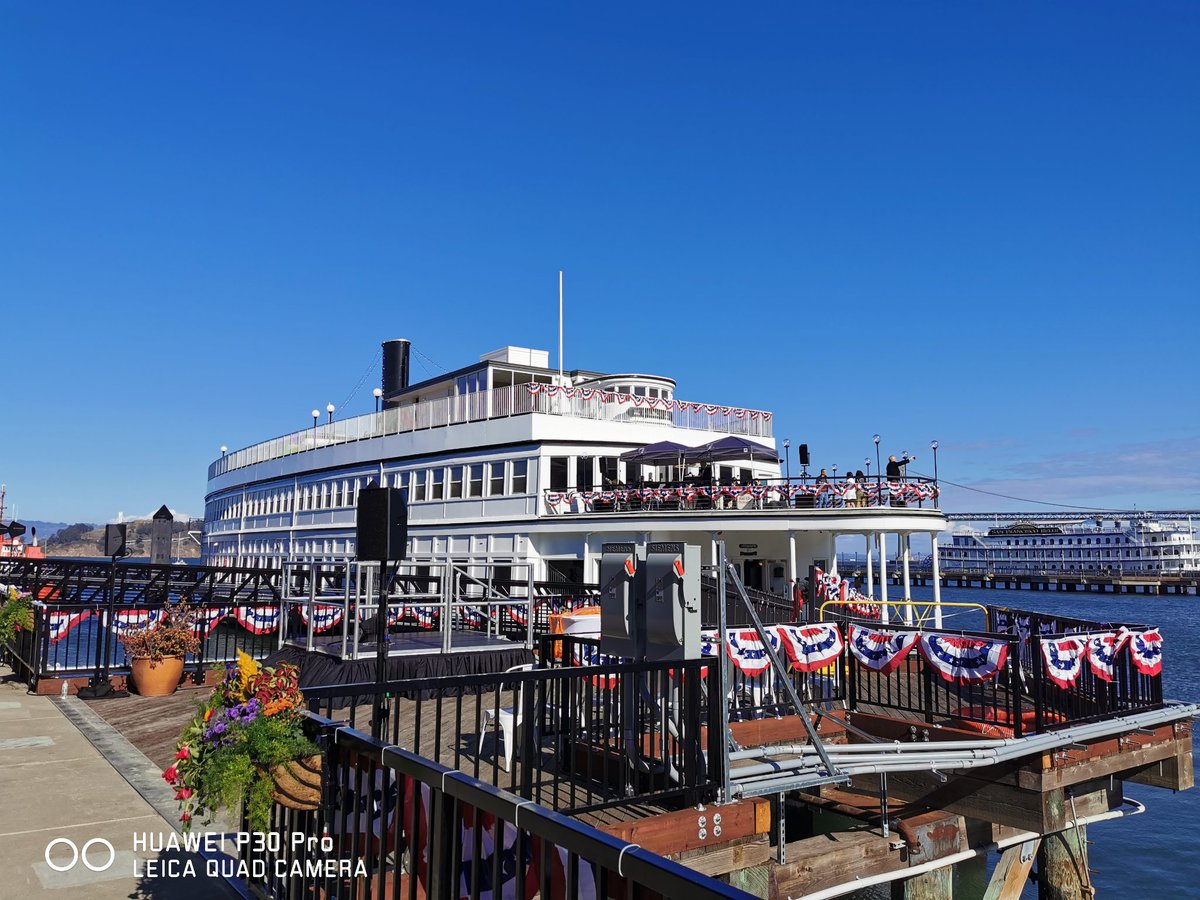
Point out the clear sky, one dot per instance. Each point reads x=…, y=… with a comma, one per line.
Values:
x=975, y=223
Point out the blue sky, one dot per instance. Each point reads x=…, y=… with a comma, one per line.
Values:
x=955, y=221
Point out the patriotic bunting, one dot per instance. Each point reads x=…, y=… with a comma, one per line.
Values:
x=61, y=623
x=964, y=660
x=324, y=616
x=132, y=619
x=1102, y=650
x=207, y=618
x=880, y=651
x=257, y=619
x=811, y=647
x=747, y=651
x=1064, y=660
x=1145, y=649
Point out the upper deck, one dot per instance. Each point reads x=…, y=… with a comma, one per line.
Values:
x=530, y=399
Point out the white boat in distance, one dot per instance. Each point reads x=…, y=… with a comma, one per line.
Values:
x=505, y=463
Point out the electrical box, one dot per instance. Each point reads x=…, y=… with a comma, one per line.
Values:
x=672, y=601
x=622, y=601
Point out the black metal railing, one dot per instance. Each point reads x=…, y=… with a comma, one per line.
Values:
x=1091, y=697
x=90, y=645
x=394, y=824
x=573, y=737
x=917, y=687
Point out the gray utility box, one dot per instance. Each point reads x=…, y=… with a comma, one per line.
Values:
x=622, y=600
x=672, y=601
x=650, y=601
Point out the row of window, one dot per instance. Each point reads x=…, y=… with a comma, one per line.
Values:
x=1001, y=555
x=608, y=471
x=492, y=479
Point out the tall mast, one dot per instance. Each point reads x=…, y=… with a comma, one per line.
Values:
x=560, y=327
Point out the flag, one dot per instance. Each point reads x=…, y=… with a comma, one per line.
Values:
x=964, y=660
x=811, y=647
x=880, y=651
x=1064, y=660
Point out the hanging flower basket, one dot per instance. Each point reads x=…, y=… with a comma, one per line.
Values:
x=247, y=749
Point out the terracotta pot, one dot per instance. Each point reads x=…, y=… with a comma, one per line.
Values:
x=156, y=679
x=298, y=783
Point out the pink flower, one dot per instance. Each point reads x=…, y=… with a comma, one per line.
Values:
x=186, y=817
x=183, y=753
x=183, y=793
x=170, y=776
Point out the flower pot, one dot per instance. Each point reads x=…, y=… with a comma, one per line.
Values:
x=298, y=783
x=156, y=679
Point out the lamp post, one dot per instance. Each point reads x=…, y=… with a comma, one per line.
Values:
x=316, y=414
x=224, y=450
x=329, y=409
x=878, y=467
x=933, y=445
x=787, y=458
x=378, y=394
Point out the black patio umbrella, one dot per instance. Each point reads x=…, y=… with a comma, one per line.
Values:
x=663, y=451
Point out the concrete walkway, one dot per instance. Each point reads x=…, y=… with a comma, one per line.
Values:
x=58, y=792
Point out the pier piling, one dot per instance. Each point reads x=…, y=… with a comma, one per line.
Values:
x=1063, y=866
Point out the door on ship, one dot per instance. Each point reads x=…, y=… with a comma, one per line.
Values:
x=568, y=571
x=753, y=574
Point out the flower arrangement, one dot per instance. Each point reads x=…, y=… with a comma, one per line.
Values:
x=16, y=614
x=250, y=725
x=174, y=634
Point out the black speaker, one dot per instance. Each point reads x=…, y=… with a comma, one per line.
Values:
x=114, y=539
x=382, y=532
x=804, y=455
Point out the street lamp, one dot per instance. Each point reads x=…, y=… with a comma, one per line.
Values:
x=378, y=393
x=224, y=449
x=933, y=445
x=329, y=409
x=316, y=414
x=878, y=467
x=787, y=458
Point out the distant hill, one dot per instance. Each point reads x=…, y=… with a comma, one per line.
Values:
x=45, y=529
x=83, y=539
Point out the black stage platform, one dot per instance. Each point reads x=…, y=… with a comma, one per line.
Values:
x=411, y=655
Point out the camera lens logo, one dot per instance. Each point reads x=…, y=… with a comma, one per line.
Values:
x=83, y=855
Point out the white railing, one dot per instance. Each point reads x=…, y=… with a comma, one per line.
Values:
x=500, y=403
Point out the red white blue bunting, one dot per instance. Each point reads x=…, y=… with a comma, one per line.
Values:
x=1064, y=659
x=207, y=618
x=132, y=619
x=748, y=652
x=61, y=623
x=964, y=660
x=324, y=616
x=257, y=619
x=1102, y=650
x=834, y=587
x=709, y=641
x=811, y=647
x=879, y=650
x=1145, y=649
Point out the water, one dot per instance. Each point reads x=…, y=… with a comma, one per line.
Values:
x=1152, y=853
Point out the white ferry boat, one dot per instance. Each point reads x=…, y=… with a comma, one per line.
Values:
x=1126, y=546
x=510, y=461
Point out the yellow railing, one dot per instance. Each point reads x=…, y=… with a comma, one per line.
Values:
x=927, y=606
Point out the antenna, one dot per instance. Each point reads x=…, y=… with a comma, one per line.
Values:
x=560, y=327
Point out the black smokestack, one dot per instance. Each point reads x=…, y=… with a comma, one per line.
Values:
x=395, y=366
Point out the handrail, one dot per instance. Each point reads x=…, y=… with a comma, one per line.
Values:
x=496, y=404
x=928, y=604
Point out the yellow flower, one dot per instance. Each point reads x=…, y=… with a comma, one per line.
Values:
x=247, y=669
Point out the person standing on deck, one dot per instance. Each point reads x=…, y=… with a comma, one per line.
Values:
x=895, y=467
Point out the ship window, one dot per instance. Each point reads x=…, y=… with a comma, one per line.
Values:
x=495, y=479
x=608, y=471
x=558, y=473
x=437, y=484
x=639, y=390
x=475, y=487
x=654, y=392
x=583, y=473
x=337, y=493
x=420, y=478
x=520, y=476
x=456, y=482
